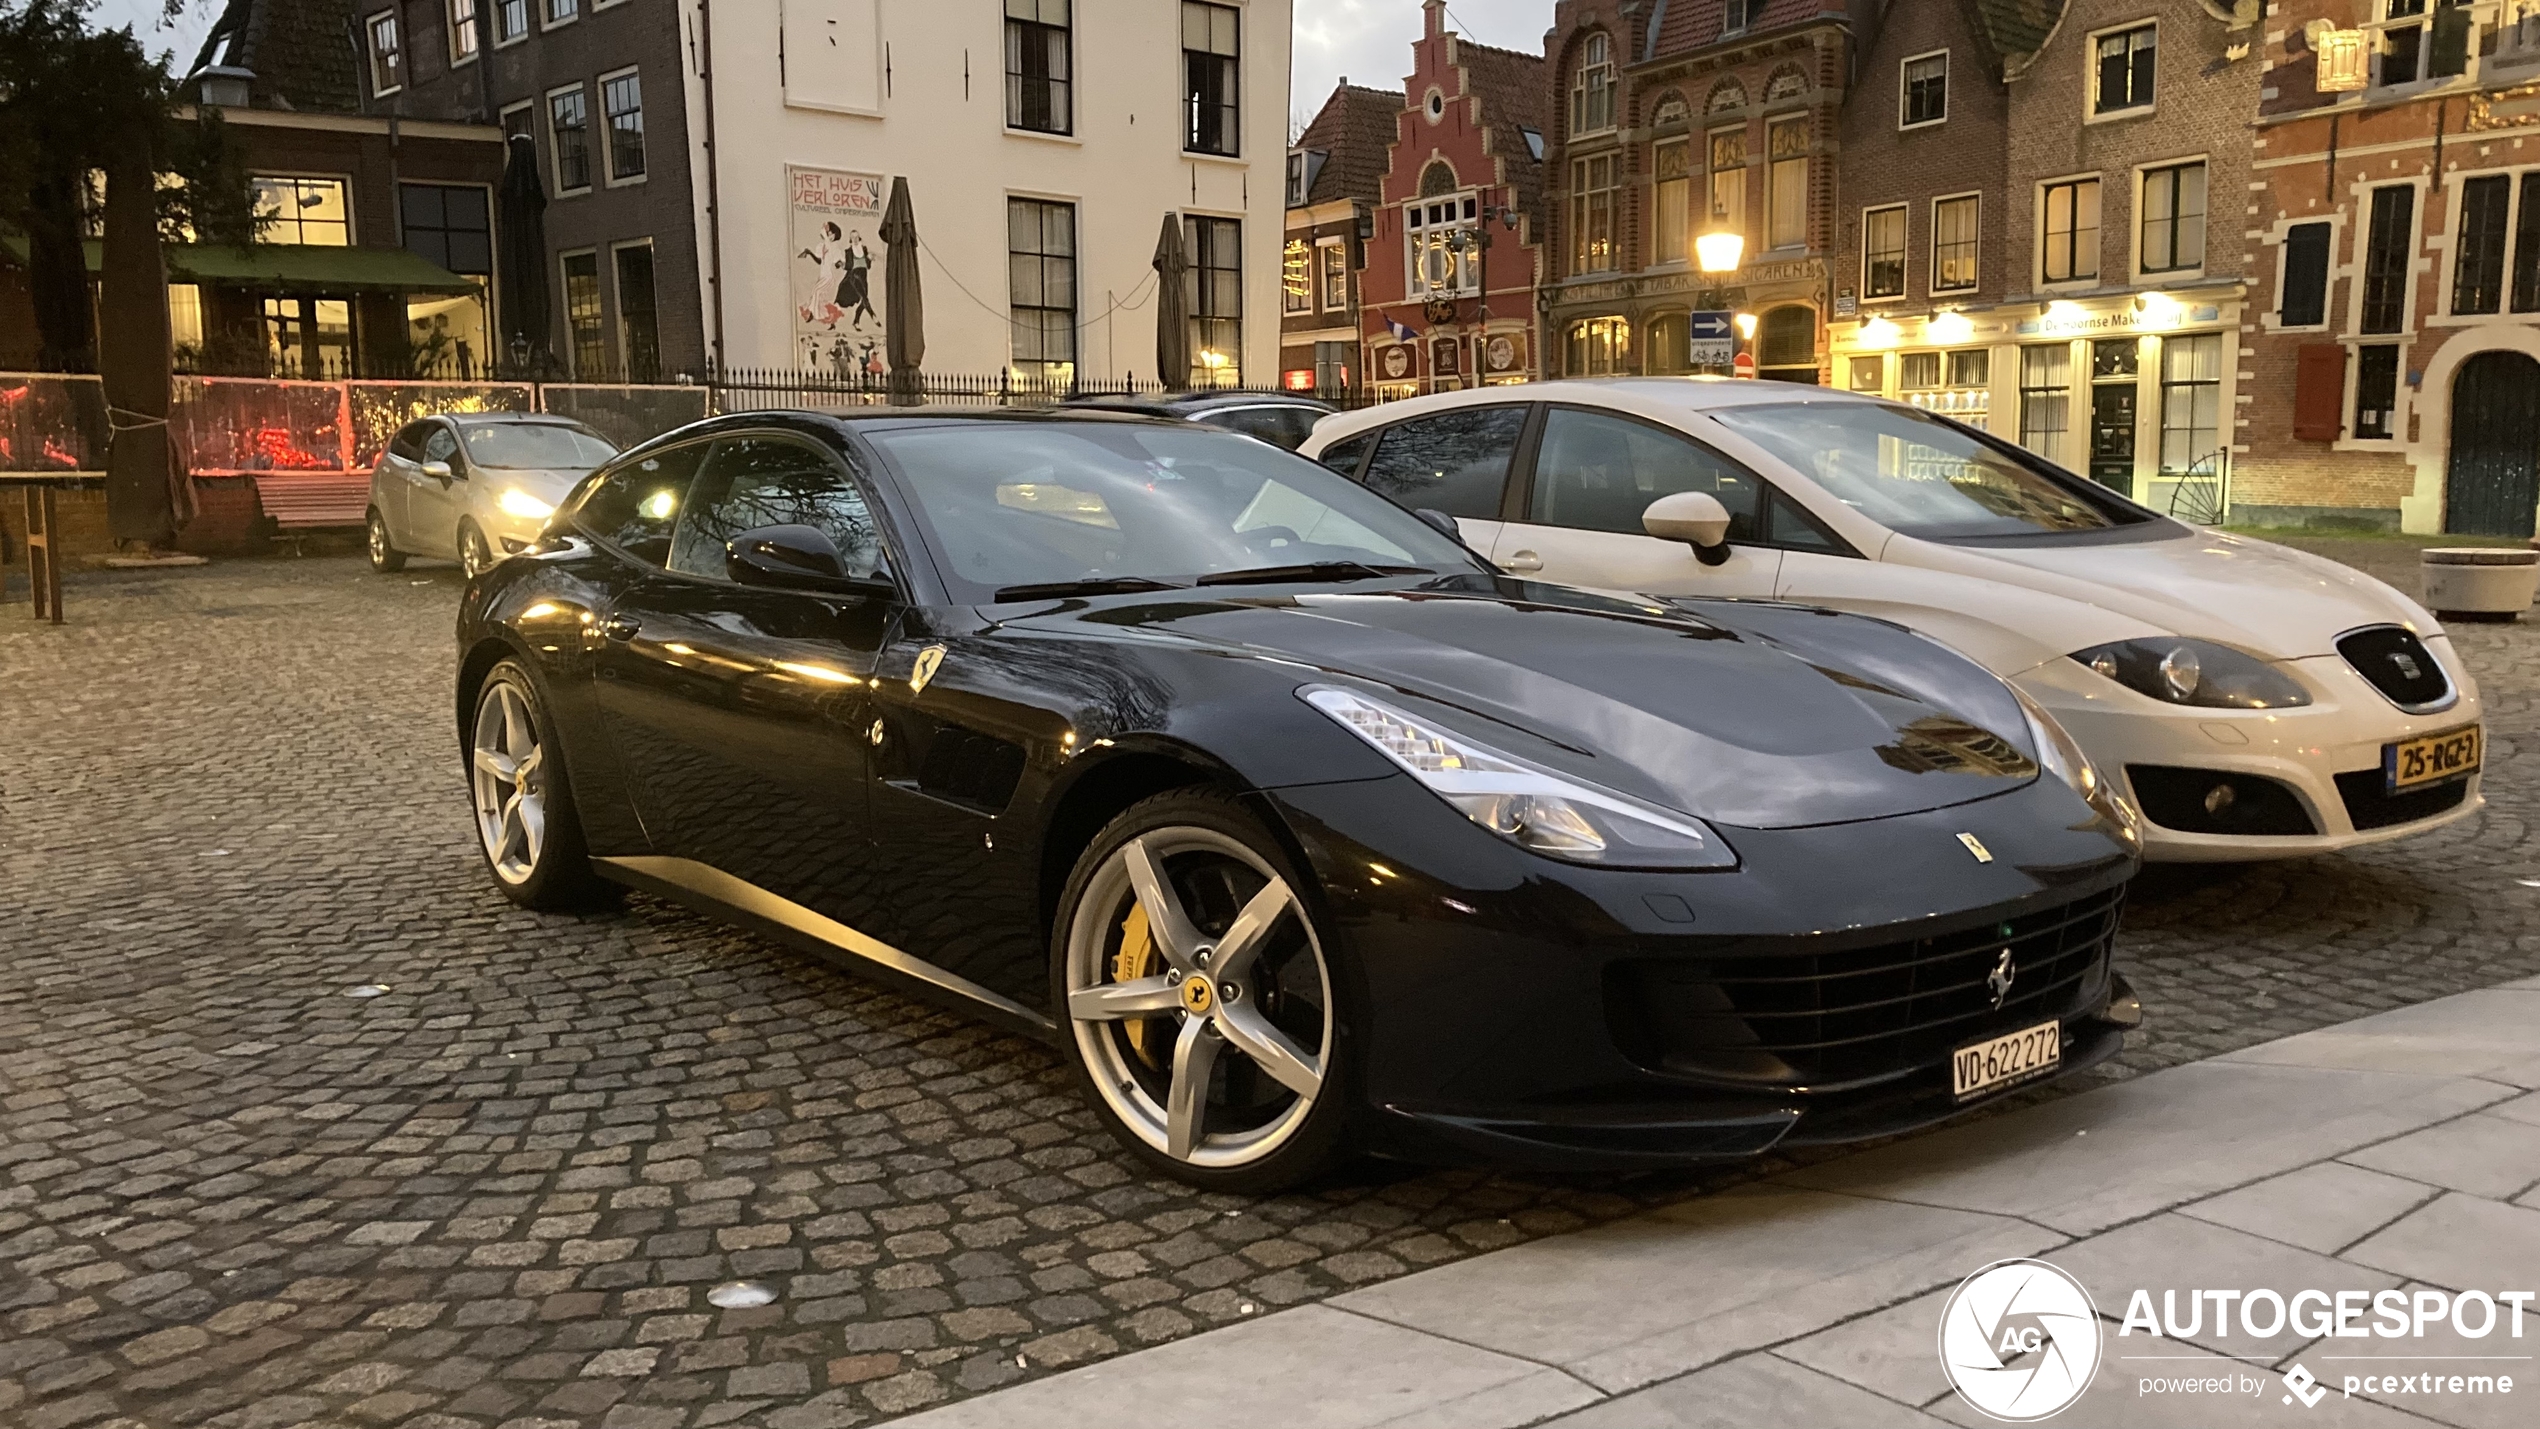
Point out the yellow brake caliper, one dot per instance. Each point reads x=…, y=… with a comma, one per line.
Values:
x=1132, y=962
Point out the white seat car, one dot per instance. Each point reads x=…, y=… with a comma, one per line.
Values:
x=474, y=487
x=2258, y=702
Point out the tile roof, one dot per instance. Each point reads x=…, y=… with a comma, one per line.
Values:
x=1515, y=97
x=1696, y=24
x=1353, y=130
x=2017, y=27
x=302, y=53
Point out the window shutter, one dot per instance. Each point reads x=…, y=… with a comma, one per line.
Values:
x=2319, y=392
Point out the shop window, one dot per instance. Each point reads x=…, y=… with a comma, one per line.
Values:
x=2376, y=392
x=2478, y=253
x=1786, y=208
x=2191, y=401
x=310, y=211
x=2388, y=244
x=1041, y=263
x=1332, y=366
x=1869, y=374
x=1926, y=90
x=2304, y=299
x=1917, y=371
x=1672, y=223
x=1883, y=252
x=2070, y=231
x=1217, y=300
x=1600, y=347
x=1039, y=66
x=1953, y=244
x=309, y=338
x=2122, y=78
x=1952, y=383
x=2046, y=399
x=1211, y=77
x=1787, y=345
x=2173, y=218
x=1592, y=214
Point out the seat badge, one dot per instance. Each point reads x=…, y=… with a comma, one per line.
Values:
x=1976, y=846
x=2001, y=978
x=929, y=660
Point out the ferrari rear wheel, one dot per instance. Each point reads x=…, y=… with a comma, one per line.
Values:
x=1199, y=997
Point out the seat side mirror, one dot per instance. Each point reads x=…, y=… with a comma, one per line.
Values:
x=439, y=471
x=1444, y=523
x=795, y=557
x=1694, y=517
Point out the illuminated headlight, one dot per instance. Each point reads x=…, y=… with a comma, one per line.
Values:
x=516, y=502
x=2062, y=757
x=1551, y=814
x=2195, y=672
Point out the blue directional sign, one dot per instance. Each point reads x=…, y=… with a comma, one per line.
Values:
x=1712, y=340
x=1709, y=324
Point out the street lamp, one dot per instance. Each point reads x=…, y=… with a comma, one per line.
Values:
x=1720, y=248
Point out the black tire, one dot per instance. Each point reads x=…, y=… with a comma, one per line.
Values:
x=556, y=876
x=476, y=554
x=1319, y=1139
x=385, y=558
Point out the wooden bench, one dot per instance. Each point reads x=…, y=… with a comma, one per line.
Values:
x=298, y=501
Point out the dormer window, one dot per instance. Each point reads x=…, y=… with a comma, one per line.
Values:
x=1740, y=14
x=1592, y=90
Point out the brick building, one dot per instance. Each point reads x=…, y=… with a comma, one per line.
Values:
x=2113, y=346
x=1336, y=173
x=2397, y=212
x=1454, y=253
x=1680, y=119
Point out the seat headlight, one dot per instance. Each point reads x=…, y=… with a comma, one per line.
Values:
x=516, y=502
x=1534, y=808
x=2061, y=755
x=2195, y=672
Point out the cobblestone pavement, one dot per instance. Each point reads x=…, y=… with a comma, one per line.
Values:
x=498, y=1193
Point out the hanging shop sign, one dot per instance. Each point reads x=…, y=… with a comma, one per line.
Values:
x=1396, y=363
x=1504, y=354
x=833, y=259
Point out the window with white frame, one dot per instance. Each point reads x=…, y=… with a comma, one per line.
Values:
x=462, y=31
x=1786, y=190
x=2068, y=231
x=586, y=331
x=1954, y=245
x=2046, y=399
x=1039, y=67
x=1331, y=265
x=1600, y=347
x=387, y=56
x=2122, y=69
x=2425, y=39
x=1216, y=246
x=1671, y=218
x=511, y=20
x=2478, y=250
x=2191, y=400
x=569, y=139
x=1592, y=214
x=1883, y=252
x=622, y=103
x=1444, y=234
x=1211, y=35
x=2173, y=208
x=1925, y=91
x=1592, y=87
x=561, y=12
x=1041, y=257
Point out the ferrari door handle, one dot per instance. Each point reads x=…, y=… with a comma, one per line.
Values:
x=1524, y=561
x=620, y=627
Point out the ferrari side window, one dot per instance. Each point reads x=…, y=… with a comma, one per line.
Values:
x=766, y=481
x=1598, y=472
x=635, y=507
x=1454, y=461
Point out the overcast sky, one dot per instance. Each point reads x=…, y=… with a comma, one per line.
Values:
x=1367, y=40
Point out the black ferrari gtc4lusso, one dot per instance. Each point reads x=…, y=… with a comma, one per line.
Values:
x=1296, y=825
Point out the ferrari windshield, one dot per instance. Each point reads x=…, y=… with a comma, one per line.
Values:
x=530, y=445
x=1046, y=504
x=1920, y=476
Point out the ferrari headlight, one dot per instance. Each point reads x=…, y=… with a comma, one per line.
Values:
x=516, y=502
x=2195, y=672
x=1534, y=808
x=2061, y=755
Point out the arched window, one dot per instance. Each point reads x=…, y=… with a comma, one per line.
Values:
x=1786, y=345
x=1600, y=347
x=1592, y=89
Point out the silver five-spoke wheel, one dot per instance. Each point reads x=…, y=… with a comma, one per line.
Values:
x=1199, y=997
x=506, y=771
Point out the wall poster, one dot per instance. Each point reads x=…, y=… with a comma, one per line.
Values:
x=835, y=268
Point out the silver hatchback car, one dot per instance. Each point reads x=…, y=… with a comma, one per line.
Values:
x=474, y=487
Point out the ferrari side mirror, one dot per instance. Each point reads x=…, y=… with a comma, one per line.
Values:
x=1444, y=523
x=1694, y=517
x=795, y=557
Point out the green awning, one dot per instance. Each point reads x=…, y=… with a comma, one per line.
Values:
x=289, y=267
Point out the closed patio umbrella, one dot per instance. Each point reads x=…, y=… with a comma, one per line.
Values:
x=903, y=304
x=522, y=218
x=1172, y=307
